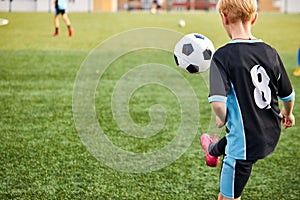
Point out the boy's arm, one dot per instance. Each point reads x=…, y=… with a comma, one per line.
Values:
x=220, y=110
x=288, y=119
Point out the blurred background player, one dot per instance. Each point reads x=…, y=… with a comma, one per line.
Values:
x=155, y=6
x=297, y=71
x=60, y=8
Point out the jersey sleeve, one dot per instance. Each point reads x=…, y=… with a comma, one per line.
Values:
x=218, y=81
x=285, y=89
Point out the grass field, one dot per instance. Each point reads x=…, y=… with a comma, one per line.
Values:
x=42, y=154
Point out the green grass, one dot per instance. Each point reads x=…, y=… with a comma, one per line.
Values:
x=41, y=153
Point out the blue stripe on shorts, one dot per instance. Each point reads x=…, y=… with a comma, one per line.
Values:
x=227, y=177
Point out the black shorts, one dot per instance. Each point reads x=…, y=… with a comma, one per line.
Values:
x=234, y=176
x=59, y=11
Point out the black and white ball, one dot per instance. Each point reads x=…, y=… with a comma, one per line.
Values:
x=193, y=53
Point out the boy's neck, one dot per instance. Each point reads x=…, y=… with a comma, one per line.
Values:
x=241, y=31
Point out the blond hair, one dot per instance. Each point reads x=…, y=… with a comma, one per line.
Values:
x=236, y=10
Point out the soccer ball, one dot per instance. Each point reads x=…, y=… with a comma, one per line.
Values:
x=193, y=53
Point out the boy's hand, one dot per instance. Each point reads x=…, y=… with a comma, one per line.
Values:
x=288, y=120
x=219, y=122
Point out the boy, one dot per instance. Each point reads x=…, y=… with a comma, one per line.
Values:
x=155, y=6
x=60, y=8
x=246, y=79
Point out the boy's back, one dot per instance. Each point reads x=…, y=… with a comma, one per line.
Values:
x=253, y=77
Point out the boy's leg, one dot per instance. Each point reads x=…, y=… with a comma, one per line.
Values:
x=68, y=23
x=221, y=197
x=234, y=177
x=66, y=19
x=56, y=25
x=217, y=149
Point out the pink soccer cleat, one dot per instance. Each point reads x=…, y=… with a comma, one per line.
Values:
x=205, y=141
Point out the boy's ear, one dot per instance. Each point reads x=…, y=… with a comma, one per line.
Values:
x=225, y=19
x=254, y=19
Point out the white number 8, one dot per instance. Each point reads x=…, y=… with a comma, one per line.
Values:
x=262, y=92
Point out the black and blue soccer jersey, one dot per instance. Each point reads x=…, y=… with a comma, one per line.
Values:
x=60, y=4
x=248, y=75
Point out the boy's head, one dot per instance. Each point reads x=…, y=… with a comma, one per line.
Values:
x=238, y=10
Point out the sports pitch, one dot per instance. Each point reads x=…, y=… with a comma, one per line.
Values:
x=44, y=156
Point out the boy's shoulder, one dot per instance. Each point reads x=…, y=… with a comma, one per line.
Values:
x=238, y=45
